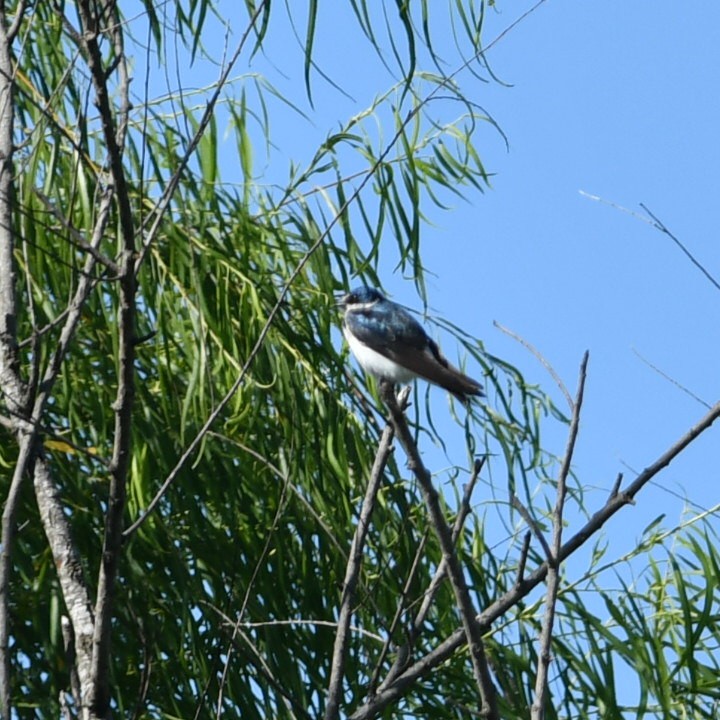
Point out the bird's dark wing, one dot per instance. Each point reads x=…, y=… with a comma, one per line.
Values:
x=432, y=365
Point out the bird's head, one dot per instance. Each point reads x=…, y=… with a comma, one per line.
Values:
x=360, y=298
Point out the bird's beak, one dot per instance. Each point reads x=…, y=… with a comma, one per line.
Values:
x=341, y=300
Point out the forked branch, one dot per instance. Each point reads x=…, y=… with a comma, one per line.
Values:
x=553, y=560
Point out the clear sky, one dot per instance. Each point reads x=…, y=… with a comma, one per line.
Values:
x=619, y=100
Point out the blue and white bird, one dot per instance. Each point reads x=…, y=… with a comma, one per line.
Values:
x=390, y=344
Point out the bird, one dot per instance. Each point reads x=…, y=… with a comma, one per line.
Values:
x=392, y=345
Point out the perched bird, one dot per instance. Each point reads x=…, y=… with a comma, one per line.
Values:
x=391, y=344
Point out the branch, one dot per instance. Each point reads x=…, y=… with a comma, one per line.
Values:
x=13, y=388
x=113, y=135
x=445, y=650
x=655, y=222
x=553, y=574
x=419, y=620
x=352, y=570
x=471, y=629
x=70, y=572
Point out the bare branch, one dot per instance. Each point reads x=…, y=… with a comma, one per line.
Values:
x=429, y=595
x=471, y=628
x=393, y=691
x=540, y=358
x=655, y=222
x=616, y=486
x=672, y=380
x=523, y=557
x=112, y=542
x=534, y=527
x=663, y=229
x=553, y=562
x=352, y=570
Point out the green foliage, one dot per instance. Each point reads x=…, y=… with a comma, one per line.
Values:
x=228, y=593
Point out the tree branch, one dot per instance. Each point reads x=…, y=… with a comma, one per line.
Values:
x=553, y=561
x=13, y=388
x=395, y=690
x=471, y=628
x=70, y=573
x=429, y=595
x=352, y=570
x=113, y=133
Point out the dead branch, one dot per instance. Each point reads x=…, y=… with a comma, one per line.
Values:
x=553, y=562
x=471, y=628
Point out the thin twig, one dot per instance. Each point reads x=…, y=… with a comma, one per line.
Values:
x=352, y=570
x=523, y=557
x=672, y=380
x=663, y=229
x=532, y=524
x=391, y=692
x=655, y=222
x=471, y=628
x=537, y=711
x=540, y=358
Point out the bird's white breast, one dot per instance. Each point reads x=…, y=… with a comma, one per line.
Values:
x=375, y=363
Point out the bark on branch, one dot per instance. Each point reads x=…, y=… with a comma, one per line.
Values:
x=471, y=628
